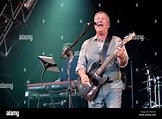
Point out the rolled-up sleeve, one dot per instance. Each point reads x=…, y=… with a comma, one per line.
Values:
x=82, y=60
x=118, y=41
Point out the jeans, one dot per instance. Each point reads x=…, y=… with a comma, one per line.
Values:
x=109, y=96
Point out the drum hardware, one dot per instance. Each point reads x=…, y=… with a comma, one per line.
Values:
x=149, y=88
x=152, y=70
x=158, y=89
x=148, y=80
x=146, y=105
x=155, y=88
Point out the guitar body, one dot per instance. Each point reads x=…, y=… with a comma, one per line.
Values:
x=90, y=92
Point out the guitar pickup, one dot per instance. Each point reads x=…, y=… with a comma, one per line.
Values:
x=91, y=91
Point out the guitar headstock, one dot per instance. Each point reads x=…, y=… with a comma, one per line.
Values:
x=128, y=37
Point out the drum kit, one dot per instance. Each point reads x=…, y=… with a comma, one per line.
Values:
x=153, y=85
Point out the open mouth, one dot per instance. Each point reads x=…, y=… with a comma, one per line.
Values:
x=100, y=24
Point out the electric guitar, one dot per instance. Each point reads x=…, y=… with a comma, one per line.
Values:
x=94, y=73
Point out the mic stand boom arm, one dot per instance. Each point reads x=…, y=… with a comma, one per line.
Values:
x=68, y=49
x=65, y=53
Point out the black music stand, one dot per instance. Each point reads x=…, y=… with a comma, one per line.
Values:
x=48, y=63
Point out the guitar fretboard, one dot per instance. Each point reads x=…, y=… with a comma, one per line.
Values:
x=113, y=55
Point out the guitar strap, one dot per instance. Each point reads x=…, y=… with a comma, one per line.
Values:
x=104, y=49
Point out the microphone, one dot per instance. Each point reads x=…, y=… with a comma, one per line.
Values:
x=92, y=23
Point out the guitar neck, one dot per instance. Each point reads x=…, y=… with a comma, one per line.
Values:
x=103, y=66
x=113, y=55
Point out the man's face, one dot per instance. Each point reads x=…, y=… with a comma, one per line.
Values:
x=103, y=22
x=64, y=49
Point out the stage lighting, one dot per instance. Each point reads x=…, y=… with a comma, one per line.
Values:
x=28, y=4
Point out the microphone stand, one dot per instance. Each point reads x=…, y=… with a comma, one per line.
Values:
x=70, y=90
x=70, y=48
x=131, y=69
x=132, y=92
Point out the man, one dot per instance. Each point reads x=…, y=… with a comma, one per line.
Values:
x=68, y=73
x=68, y=65
x=110, y=93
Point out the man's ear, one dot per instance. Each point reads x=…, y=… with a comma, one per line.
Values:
x=109, y=25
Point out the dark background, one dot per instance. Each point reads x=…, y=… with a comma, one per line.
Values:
x=55, y=22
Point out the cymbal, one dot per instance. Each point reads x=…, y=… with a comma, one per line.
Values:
x=154, y=68
x=157, y=72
